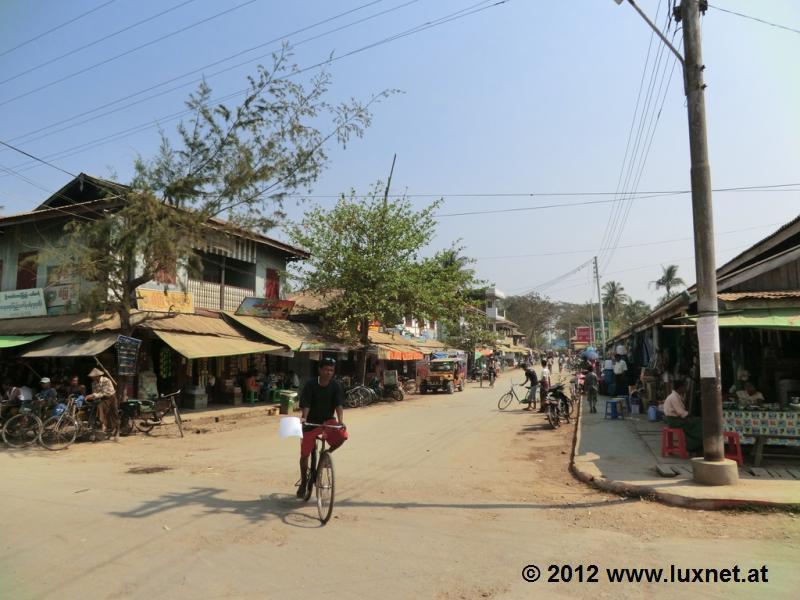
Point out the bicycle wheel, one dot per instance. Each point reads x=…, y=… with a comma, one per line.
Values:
x=311, y=475
x=552, y=417
x=22, y=430
x=505, y=400
x=176, y=413
x=351, y=399
x=570, y=405
x=58, y=432
x=325, y=487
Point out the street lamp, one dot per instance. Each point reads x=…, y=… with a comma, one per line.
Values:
x=713, y=468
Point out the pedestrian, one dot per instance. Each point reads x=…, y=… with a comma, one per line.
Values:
x=608, y=375
x=544, y=386
x=620, y=377
x=590, y=386
x=108, y=408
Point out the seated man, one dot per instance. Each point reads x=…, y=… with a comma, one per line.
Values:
x=676, y=415
x=48, y=392
x=750, y=396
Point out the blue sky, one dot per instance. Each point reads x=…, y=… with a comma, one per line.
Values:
x=528, y=97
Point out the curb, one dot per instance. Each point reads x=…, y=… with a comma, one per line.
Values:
x=630, y=490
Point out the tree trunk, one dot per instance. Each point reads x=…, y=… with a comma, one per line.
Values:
x=362, y=358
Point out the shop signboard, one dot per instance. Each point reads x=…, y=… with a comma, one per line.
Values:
x=161, y=301
x=22, y=303
x=598, y=336
x=269, y=308
x=127, y=355
x=583, y=335
x=62, y=298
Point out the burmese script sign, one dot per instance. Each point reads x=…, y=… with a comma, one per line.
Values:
x=161, y=301
x=22, y=303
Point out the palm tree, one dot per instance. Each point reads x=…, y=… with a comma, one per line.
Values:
x=614, y=297
x=669, y=279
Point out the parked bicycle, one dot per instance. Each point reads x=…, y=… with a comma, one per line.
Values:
x=144, y=415
x=75, y=421
x=506, y=399
x=566, y=404
x=24, y=428
x=320, y=475
x=358, y=396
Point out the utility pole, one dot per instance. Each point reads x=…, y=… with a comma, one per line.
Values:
x=600, y=302
x=713, y=469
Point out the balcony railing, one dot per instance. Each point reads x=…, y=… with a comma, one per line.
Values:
x=207, y=295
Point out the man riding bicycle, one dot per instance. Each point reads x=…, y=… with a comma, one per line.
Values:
x=319, y=400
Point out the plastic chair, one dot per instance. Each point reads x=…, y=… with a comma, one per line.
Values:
x=733, y=447
x=673, y=441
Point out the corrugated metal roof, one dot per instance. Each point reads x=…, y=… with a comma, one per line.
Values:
x=204, y=346
x=733, y=296
x=34, y=325
x=287, y=333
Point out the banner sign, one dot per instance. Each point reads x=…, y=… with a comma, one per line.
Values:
x=62, y=298
x=269, y=308
x=161, y=301
x=583, y=335
x=598, y=335
x=22, y=303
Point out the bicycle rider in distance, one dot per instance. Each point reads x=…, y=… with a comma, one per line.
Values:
x=319, y=400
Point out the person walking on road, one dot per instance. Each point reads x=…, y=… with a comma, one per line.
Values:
x=544, y=385
x=108, y=408
x=590, y=386
x=620, y=377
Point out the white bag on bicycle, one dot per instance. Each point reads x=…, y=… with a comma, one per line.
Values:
x=290, y=427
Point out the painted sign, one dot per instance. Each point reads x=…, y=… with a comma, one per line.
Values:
x=62, y=298
x=598, y=335
x=22, y=303
x=270, y=308
x=161, y=301
x=583, y=335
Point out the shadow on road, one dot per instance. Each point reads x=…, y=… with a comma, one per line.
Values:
x=287, y=508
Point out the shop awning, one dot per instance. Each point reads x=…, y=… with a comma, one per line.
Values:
x=10, y=341
x=389, y=352
x=300, y=337
x=73, y=344
x=766, y=318
x=193, y=345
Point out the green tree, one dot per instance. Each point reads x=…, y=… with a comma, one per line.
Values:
x=233, y=161
x=632, y=312
x=372, y=249
x=668, y=281
x=614, y=299
x=533, y=313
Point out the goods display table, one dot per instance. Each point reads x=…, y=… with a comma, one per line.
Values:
x=762, y=427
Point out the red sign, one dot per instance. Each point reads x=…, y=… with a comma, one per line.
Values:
x=583, y=335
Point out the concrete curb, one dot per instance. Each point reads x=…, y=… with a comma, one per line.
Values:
x=630, y=490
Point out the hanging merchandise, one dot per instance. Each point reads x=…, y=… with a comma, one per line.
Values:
x=165, y=363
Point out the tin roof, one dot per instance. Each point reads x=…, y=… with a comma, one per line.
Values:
x=733, y=296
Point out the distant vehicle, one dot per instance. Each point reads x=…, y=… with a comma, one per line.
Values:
x=441, y=375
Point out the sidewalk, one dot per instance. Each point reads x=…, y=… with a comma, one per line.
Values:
x=621, y=456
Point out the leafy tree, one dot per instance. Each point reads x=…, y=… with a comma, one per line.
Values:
x=233, y=161
x=533, y=313
x=668, y=281
x=372, y=249
x=614, y=298
x=634, y=311
x=468, y=333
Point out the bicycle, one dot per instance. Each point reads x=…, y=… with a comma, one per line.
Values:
x=506, y=399
x=60, y=431
x=358, y=396
x=24, y=428
x=144, y=415
x=320, y=475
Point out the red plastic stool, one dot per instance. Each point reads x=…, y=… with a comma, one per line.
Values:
x=673, y=441
x=733, y=449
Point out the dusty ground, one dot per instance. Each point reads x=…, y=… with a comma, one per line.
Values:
x=438, y=497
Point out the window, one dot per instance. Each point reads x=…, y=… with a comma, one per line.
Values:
x=26, y=270
x=273, y=285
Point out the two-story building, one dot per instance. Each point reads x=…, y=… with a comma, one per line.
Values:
x=185, y=320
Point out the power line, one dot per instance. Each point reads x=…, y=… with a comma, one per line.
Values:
x=56, y=28
x=465, y=12
x=130, y=51
x=200, y=70
x=639, y=245
x=95, y=42
x=36, y=158
x=771, y=24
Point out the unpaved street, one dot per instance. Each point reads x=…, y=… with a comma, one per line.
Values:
x=438, y=497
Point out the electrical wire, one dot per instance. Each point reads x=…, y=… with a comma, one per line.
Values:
x=126, y=53
x=738, y=14
x=95, y=42
x=56, y=28
x=468, y=11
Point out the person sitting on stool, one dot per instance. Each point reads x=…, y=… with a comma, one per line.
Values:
x=676, y=415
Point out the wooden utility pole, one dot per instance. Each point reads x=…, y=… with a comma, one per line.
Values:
x=713, y=469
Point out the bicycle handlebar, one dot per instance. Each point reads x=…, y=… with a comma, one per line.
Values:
x=324, y=425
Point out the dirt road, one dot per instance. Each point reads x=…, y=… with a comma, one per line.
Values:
x=438, y=497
